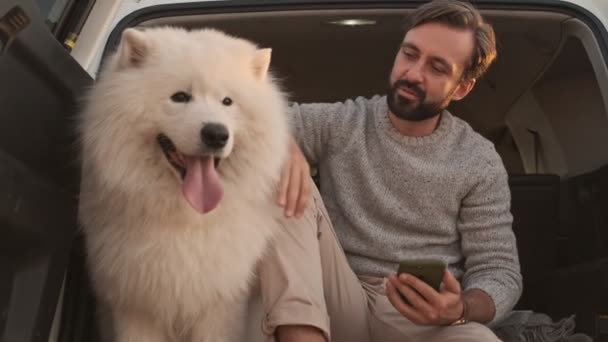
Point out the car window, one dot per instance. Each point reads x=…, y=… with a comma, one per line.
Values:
x=65, y=18
x=53, y=10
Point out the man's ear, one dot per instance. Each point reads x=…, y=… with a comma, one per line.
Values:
x=261, y=63
x=134, y=48
x=464, y=88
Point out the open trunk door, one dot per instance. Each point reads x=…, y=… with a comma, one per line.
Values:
x=40, y=87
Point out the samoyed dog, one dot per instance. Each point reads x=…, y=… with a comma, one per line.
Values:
x=182, y=139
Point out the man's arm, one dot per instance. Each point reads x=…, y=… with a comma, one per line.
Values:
x=488, y=243
x=479, y=306
x=491, y=284
x=425, y=306
x=294, y=189
x=319, y=129
x=314, y=125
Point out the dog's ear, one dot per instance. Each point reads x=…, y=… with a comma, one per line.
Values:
x=133, y=48
x=261, y=63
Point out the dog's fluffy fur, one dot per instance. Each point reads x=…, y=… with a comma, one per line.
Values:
x=163, y=270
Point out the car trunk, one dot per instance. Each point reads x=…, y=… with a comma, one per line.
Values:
x=543, y=105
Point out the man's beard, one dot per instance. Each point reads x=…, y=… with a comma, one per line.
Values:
x=407, y=109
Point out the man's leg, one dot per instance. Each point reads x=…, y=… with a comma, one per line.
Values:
x=388, y=325
x=470, y=332
x=307, y=285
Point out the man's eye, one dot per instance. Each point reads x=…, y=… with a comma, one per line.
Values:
x=409, y=55
x=439, y=70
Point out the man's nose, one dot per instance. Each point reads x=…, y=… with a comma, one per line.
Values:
x=415, y=73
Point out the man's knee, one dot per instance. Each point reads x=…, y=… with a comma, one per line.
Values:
x=300, y=333
x=470, y=332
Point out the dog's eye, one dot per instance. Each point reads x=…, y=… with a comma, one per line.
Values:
x=227, y=101
x=181, y=97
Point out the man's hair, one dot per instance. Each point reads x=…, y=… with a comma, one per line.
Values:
x=461, y=15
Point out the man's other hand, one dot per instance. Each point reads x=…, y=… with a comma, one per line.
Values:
x=294, y=190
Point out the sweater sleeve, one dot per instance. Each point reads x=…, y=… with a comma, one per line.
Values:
x=488, y=242
x=321, y=127
x=311, y=124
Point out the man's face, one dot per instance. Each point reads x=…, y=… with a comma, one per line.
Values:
x=428, y=71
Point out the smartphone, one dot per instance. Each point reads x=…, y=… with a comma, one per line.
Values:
x=429, y=271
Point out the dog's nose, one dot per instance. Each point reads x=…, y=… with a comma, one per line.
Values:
x=214, y=135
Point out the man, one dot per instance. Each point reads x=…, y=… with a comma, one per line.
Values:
x=401, y=179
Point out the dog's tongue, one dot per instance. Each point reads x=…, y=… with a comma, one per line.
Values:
x=202, y=186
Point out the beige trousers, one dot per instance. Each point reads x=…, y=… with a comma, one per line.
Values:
x=306, y=280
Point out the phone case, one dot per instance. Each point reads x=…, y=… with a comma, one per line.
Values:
x=429, y=271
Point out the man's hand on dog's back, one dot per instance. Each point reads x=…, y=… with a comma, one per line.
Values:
x=294, y=190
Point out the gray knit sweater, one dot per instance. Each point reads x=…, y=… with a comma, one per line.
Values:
x=392, y=197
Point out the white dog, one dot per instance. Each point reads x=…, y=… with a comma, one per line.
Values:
x=183, y=138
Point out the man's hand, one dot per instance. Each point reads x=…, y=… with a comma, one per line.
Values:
x=426, y=306
x=294, y=190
